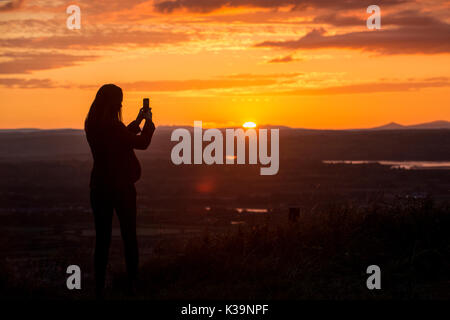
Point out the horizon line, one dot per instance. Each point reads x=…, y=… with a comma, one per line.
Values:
x=385, y=126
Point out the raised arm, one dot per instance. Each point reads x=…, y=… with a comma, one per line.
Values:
x=130, y=137
x=133, y=127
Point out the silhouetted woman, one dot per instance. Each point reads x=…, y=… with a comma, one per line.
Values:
x=115, y=171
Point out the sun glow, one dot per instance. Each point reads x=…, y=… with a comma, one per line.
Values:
x=249, y=125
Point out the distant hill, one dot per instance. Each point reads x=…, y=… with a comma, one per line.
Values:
x=42, y=131
x=428, y=125
x=413, y=144
x=440, y=124
x=432, y=125
x=389, y=126
x=19, y=130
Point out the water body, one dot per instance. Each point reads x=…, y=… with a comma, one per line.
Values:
x=246, y=210
x=251, y=210
x=407, y=165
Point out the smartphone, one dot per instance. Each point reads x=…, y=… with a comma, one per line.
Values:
x=146, y=105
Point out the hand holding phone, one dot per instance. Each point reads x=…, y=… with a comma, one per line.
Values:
x=146, y=104
x=147, y=110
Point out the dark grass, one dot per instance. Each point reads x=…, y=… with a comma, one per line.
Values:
x=323, y=255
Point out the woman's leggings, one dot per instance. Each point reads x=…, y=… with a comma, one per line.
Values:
x=104, y=201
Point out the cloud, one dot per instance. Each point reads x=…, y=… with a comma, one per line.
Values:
x=263, y=75
x=205, y=6
x=224, y=82
x=28, y=62
x=27, y=83
x=261, y=85
x=374, y=87
x=402, y=18
x=96, y=39
x=404, y=40
x=243, y=80
x=8, y=5
x=284, y=59
x=195, y=84
x=103, y=6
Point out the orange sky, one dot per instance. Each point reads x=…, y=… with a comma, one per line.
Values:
x=299, y=63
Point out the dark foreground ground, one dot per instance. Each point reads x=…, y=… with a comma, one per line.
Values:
x=322, y=255
x=199, y=238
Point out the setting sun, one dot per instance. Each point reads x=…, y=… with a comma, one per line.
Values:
x=249, y=125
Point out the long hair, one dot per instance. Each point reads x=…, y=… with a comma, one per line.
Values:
x=105, y=109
